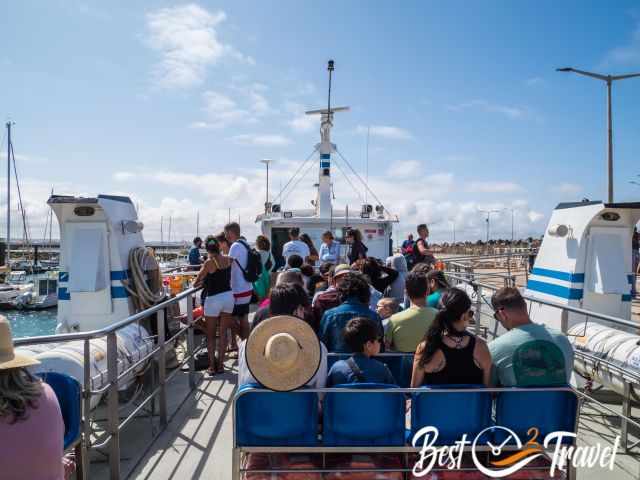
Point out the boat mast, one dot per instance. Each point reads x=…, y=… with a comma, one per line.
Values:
x=326, y=148
x=8, y=262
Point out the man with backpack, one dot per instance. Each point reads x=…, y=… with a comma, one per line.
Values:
x=245, y=270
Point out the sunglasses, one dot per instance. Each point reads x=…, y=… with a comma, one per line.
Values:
x=471, y=312
x=495, y=313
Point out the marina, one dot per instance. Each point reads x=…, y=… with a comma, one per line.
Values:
x=221, y=271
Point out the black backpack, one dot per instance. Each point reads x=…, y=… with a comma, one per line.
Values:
x=254, y=264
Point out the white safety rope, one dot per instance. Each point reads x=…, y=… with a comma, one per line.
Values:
x=143, y=263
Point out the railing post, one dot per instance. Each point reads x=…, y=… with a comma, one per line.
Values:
x=162, y=369
x=112, y=406
x=85, y=439
x=478, y=310
x=191, y=343
x=626, y=413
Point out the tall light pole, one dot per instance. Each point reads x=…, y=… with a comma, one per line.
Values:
x=609, y=79
x=266, y=161
x=453, y=224
x=512, y=221
x=488, y=220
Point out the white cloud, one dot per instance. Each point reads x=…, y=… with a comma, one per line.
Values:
x=385, y=131
x=628, y=54
x=506, y=110
x=494, y=187
x=187, y=40
x=261, y=140
x=534, y=81
x=566, y=188
x=301, y=122
x=405, y=168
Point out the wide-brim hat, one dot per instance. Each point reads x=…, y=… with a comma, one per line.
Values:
x=8, y=356
x=341, y=269
x=283, y=353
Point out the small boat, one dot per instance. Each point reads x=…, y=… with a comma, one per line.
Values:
x=17, y=283
x=44, y=294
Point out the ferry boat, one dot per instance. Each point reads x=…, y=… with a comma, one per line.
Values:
x=155, y=422
x=43, y=295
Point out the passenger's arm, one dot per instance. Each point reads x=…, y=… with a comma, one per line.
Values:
x=420, y=244
x=417, y=373
x=482, y=357
x=201, y=274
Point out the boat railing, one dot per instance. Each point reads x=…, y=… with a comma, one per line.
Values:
x=157, y=394
x=484, y=310
x=403, y=446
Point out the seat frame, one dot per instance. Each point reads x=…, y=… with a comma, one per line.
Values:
x=238, y=450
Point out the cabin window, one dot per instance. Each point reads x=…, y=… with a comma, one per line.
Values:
x=606, y=272
x=87, y=262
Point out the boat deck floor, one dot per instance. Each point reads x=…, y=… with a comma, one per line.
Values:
x=197, y=441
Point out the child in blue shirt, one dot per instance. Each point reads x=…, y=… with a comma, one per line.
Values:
x=362, y=336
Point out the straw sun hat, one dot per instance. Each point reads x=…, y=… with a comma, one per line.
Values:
x=283, y=353
x=8, y=357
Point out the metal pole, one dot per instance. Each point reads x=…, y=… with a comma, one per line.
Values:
x=113, y=417
x=610, y=143
x=86, y=413
x=267, y=199
x=8, y=262
x=488, y=225
x=162, y=369
x=478, y=310
x=191, y=343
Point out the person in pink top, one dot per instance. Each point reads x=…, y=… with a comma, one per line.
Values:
x=31, y=424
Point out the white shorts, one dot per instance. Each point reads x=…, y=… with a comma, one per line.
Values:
x=218, y=303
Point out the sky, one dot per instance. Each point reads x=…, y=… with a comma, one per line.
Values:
x=175, y=104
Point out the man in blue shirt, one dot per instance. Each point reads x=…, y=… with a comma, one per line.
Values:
x=194, y=252
x=363, y=338
x=354, y=293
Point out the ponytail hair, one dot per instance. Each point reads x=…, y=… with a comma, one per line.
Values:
x=455, y=303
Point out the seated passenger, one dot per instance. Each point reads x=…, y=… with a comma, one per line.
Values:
x=407, y=328
x=294, y=261
x=437, y=283
x=286, y=277
x=449, y=354
x=31, y=424
x=330, y=298
x=529, y=354
x=396, y=289
x=283, y=353
x=386, y=307
x=354, y=295
x=380, y=275
x=363, y=339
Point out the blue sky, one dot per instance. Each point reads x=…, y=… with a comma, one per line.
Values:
x=175, y=103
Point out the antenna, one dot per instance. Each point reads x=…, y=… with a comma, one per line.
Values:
x=367, y=166
x=330, y=68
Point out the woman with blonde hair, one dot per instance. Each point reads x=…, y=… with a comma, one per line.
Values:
x=31, y=423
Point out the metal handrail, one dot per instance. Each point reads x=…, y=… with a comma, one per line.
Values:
x=66, y=337
x=569, y=308
x=114, y=377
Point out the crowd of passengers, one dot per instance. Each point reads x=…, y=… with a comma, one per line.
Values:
x=318, y=305
x=363, y=306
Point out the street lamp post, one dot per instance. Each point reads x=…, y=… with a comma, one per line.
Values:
x=266, y=161
x=609, y=79
x=488, y=220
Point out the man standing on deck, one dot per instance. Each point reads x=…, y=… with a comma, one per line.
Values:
x=242, y=289
x=194, y=253
x=407, y=245
x=295, y=246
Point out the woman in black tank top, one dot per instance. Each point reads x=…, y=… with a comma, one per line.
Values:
x=448, y=354
x=215, y=278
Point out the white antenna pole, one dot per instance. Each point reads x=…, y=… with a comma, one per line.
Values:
x=366, y=190
x=8, y=262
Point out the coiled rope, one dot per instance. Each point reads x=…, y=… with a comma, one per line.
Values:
x=145, y=283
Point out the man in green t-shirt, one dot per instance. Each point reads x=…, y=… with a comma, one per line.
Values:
x=529, y=354
x=406, y=329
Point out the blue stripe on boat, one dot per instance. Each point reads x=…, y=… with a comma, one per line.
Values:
x=559, y=275
x=555, y=290
x=325, y=156
x=119, y=292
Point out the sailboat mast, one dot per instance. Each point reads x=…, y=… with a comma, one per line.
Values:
x=8, y=262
